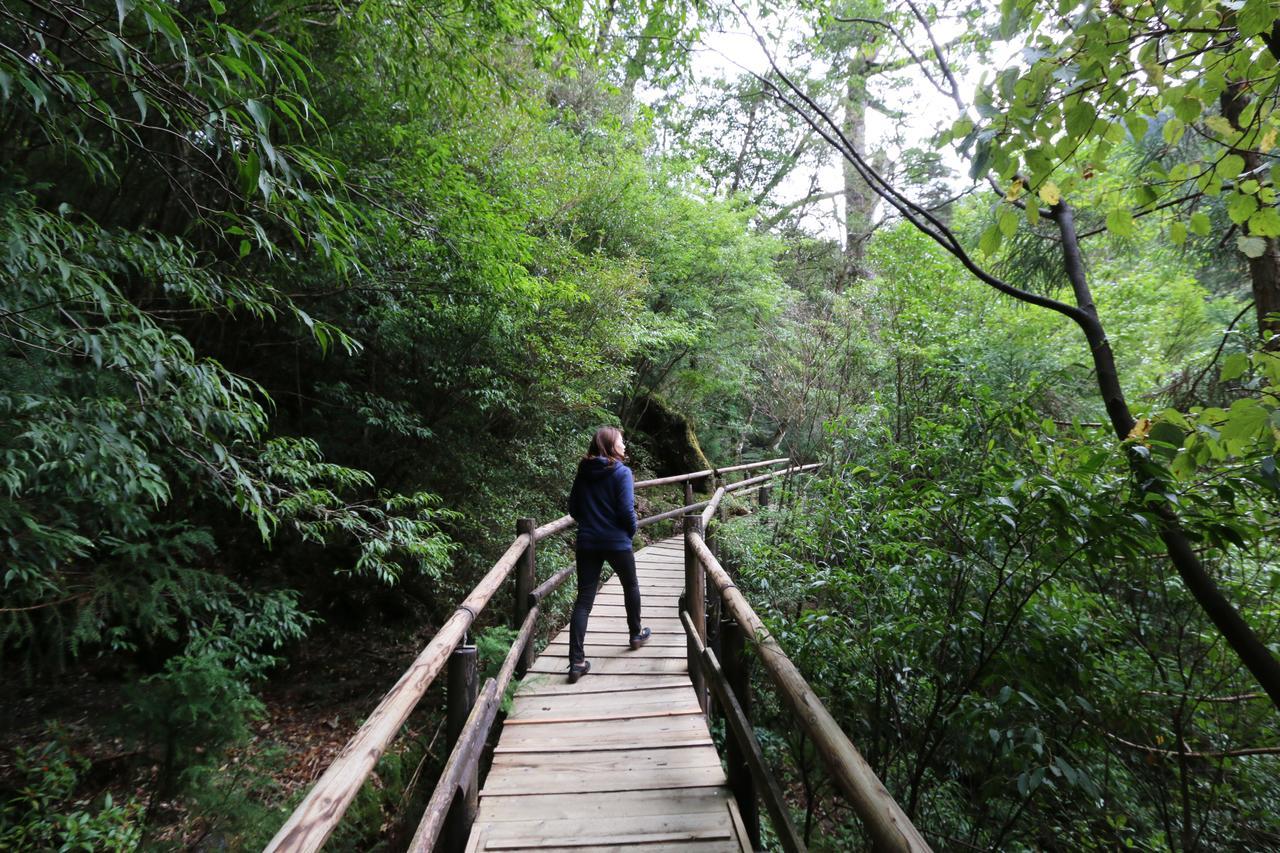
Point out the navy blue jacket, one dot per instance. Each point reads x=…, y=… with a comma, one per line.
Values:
x=603, y=503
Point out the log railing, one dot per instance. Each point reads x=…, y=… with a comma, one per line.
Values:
x=452, y=806
x=883, y=819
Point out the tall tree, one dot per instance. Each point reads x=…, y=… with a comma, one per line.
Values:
x=998, y=156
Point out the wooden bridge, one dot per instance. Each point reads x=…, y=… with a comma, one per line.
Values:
x=623, y=759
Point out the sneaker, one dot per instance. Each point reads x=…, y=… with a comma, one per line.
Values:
x=577, y=670
x=638, y=640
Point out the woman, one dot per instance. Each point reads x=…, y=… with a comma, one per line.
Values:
x=603, y=503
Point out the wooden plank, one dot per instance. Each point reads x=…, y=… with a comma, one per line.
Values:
x=619, y=611
x=624, y=714
x=729, y=846
x=579, y=841
x=617, y=829
x=542, y=684
x=571, y=780
x=614, y=665
x=619, y=778
x=615, y=704
x=651, y=600
x=626, y=761
x=498, y=808
x=617, y=624
x=616, y=650
x=621, y=638
x=739, y=827
x=665, y=742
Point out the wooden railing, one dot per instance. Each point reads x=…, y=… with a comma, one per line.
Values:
x=471, y=710
x=740, y=627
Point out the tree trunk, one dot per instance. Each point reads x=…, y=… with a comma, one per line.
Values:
x=1203, y=588
x=859, y=200
x=1264, y=270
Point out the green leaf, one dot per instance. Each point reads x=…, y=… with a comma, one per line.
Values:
x=1187, y=109
x=1200, y=224
x=1240, y=207
x=1008, y=221
x=1120, y=222
x=1178, y=233
x=1219, y=125
x=1253, y=247
x=962, y=128
x=1137, y=125
x=1265, y=223
x=1229, y=167
x=1234, y=366
x=989, y=242
x=1245, y=420
x=981, y=160
x=261, y=115
x=1080, y=118
x=1255, y=17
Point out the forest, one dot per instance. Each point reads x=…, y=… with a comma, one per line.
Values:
x=305, y=303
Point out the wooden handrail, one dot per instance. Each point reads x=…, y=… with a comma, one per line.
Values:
x=709, y=472
x=881, y=815
x=458, y=769
x=316, y=816
x=564, y=522
x=465, y=754
x=712, y=506
x=671, y=513
x=740, y=729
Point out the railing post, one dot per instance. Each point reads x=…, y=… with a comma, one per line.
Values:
x=722, y=511
x=688, y=492
x=461, y=688
x=695, y=605
x=764, y=495
x=738, y=674
x=526, y=578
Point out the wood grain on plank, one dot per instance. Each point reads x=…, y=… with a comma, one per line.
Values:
x=495, y=808
x=544, y=684
x=604, y=665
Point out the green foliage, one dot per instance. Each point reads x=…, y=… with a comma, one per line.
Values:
x=40, y=813
x=1099, y=111
x=202, y=702
x=980, y=609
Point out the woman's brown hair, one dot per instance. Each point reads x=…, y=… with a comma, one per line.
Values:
x=605, y=443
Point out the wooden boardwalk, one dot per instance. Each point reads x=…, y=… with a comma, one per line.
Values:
x=622, y=760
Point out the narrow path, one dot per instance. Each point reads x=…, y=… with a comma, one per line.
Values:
x=622, y=760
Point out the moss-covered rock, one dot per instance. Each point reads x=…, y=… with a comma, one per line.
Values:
x=669, y=438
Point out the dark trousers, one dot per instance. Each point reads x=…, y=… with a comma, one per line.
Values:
x=590, y=562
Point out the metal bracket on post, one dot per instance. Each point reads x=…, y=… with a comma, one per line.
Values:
x=526, y=578
x=462, y=685
x=695, y=604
